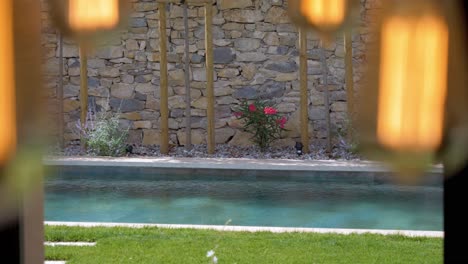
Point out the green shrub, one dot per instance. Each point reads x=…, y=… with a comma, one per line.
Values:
x=103, y=135
x=262, y=120
x=347, y=136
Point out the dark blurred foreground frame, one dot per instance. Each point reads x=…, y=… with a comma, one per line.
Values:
x=455, y=185
x=21, y=213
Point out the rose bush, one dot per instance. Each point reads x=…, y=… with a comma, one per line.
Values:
x=262, y=120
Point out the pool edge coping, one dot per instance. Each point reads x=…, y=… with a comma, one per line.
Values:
x=341, y=231
x=227, y=163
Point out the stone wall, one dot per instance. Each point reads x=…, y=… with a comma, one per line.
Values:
x=255, y=56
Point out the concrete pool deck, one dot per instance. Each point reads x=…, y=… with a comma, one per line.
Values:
x=227, y=163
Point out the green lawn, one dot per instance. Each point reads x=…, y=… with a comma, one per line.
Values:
x=154, y=245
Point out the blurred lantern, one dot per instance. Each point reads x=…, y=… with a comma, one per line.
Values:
x=7, y=83
x=87, y=19
x=93, y=15
x=412, y=82
x=405, y=116
x=326, y=17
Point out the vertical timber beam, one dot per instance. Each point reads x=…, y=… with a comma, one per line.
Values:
x=188, y=113
x=349, y=77
x=164, y=143
x=209, y=76
x=60, y=96
x=327, y=100
x=83, y=88
x=303, y=81
x=30, y=128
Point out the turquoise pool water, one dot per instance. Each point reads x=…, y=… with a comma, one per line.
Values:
x=315, y=200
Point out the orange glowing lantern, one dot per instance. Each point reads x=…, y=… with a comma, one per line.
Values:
x=7, y=82
x=88, y=18
x=93, y=14
x=404, y=117
x=412, y=82
x=326, y=13
x=324, y=16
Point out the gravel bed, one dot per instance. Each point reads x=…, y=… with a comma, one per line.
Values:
x=224, y=151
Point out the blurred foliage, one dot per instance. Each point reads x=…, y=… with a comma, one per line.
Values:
x=103, y=134
x=347, y=136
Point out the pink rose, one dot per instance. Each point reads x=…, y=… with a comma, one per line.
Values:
x=252, y=108
x=269, y=110
x=282, y=121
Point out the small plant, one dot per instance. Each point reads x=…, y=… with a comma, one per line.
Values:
x=211, y=254
x=347, y=136
x=102, y=134
x=262, y=120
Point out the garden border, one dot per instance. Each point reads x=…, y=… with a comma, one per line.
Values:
x=342, y=231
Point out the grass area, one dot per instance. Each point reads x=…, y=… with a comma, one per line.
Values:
x=155, y=245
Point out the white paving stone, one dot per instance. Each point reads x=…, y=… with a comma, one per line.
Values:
x=54, y=262
x=71, y=244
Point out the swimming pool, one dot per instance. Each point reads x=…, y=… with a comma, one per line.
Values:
x=366, y=200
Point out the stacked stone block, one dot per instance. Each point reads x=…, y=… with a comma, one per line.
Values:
x=255, y=56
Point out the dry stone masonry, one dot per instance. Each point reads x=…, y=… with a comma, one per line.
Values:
x=255, y=56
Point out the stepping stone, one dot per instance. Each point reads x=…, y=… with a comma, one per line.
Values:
x=54, y=262
x=71, y=244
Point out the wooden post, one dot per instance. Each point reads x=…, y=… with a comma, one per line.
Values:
x=209, y=76
x=327, y=101
x=24, y=243
x=60, y=96
x=188, y=113
x=349, y=78
x=303, y=80
x=164, y=143
x=83, y=88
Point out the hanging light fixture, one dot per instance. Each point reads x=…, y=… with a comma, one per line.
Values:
x=404, y=119
x=93, y=15
x=7, y=82
x=412, y=82
x=326, y=17
x=88, y=18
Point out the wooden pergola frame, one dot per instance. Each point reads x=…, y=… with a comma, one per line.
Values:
x=164, y=139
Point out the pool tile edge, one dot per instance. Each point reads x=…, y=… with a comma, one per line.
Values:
x=227, y=163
